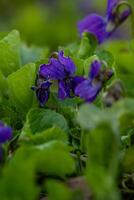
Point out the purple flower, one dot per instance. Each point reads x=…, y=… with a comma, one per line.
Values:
x=103, y=27
x=90, y=88
x=42, y=91
x=5, y=133
x=62, y=69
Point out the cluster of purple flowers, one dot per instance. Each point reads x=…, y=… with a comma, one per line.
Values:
x=102, y=27
x=62, y=69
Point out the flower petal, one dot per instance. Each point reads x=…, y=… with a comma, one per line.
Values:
x=94, y=24
x=42, y=93
x=67, y=62
x=5, y=133
x=46, y=85
x=111, y=4
x=95, y=69
x=54, y=70
x=63, y=90
x=42, y=96
x=76, y=81
x=59, y=68
x=88, y=91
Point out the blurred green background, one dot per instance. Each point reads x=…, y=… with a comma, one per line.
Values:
x=48, y=22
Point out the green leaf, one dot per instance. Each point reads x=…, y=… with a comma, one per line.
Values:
x=17, y=180
x=106, y=189
x=99, y=142
x=20, y=83
x=106, y=56
x=3, y=85
x=102, y=165
x=32, y=53
x=79, y=65
x=38, y=120
x=57, y=144
x=87, y=64
x=87, y=45
x=55, y=161
x=89, y=116
x=57, y=190
x=54, y=133
x=10, y=53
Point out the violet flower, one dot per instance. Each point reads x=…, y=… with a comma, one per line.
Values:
x=5, y=133
x=90, y=88
x=42, y=91
x=62, y=69
x=103, y=27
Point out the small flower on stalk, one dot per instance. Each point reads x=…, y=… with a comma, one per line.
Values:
x=42, y=91
x=90, y=88
x=102, y=27
x=62, y=69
